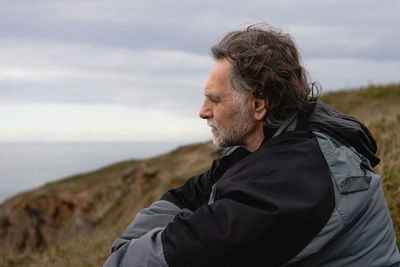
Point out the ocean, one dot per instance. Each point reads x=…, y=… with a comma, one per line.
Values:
x=25, y=166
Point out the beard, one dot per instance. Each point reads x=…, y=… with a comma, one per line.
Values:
x=236, y=131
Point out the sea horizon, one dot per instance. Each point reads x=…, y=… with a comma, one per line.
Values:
x=25, y=166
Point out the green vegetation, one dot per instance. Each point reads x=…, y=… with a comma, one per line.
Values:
x=141, y=182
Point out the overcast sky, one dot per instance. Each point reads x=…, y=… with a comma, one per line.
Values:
x=113, y=70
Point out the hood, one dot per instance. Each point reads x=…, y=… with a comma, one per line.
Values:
x=345, y=129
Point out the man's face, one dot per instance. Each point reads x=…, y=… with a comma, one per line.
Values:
x=231, y=122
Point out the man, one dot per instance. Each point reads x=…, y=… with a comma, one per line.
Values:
x=296, y=188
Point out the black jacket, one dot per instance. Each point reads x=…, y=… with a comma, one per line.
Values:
x=273, y=206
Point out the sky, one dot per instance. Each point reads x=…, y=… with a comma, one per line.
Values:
x=120, y=71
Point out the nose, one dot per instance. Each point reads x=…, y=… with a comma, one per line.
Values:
x=206, y=110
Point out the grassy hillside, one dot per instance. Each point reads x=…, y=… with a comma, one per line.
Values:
x=74, y=221
x=99, y=205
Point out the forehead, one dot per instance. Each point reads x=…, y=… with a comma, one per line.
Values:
x=218, y=82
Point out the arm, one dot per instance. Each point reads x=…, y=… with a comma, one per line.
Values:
x=146, y=226
x=267, y=209
x=144, y=233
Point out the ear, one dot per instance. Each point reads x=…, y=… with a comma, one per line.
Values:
x=259, y=107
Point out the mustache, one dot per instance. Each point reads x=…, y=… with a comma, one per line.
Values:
x=212, y=124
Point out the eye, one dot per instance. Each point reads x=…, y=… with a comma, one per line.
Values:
x=214, y=99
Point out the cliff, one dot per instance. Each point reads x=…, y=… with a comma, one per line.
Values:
x=105, y=199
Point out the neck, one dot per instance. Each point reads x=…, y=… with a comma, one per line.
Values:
x=255, y=139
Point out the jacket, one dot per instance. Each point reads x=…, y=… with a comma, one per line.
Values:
x=307, y=197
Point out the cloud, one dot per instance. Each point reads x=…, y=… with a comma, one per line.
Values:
x=75, y=73
x=343, y=73
x=328, y=28
x=152, y=57
x=96, y=123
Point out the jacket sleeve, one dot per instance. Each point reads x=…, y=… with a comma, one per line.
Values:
x=140, y=244
x=266, y=211
x=267, y=208
x=195, y=192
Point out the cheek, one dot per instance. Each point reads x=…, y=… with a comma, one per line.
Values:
x=223, y=113
x=220, y=120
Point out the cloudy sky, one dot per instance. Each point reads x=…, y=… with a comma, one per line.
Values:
x=115, y=70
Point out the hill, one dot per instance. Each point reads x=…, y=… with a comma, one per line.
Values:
x=73, y=222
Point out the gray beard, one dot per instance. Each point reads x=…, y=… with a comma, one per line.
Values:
x=238, y=132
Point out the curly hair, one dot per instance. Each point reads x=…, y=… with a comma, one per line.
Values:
x=266, y=62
